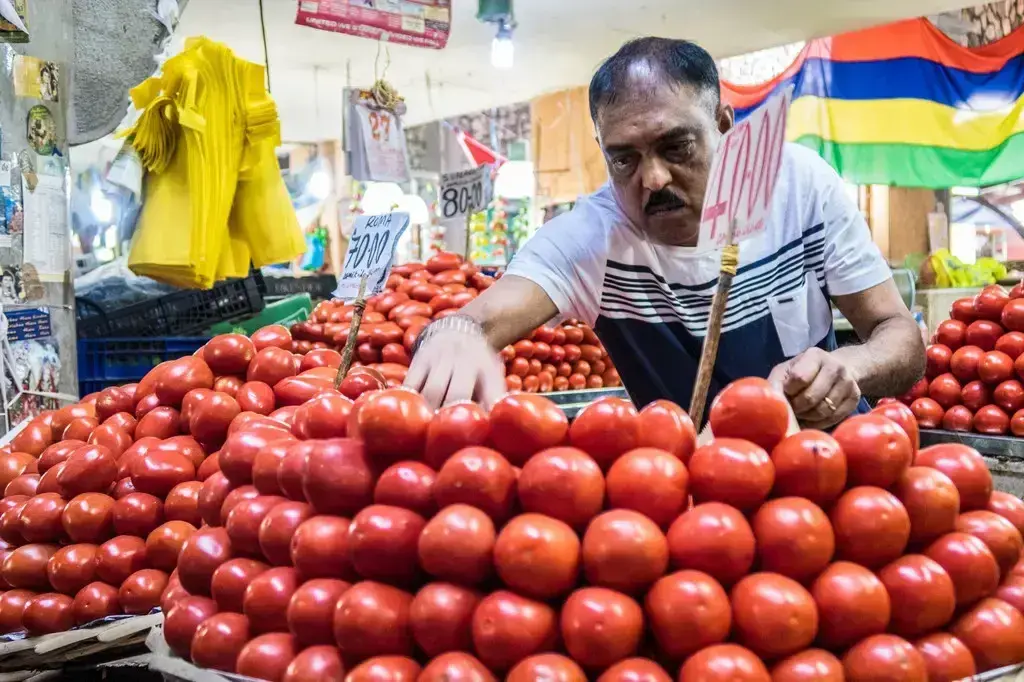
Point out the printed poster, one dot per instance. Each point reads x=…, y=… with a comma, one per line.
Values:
x=419, y=23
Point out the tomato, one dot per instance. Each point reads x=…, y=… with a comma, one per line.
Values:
x=73, y=567
x=218, y=641
x=812, y=665
x=665, y=425
x=140, y=592
x=809, y=464
x=1001, y=536
x=267, y=656
x=39, y=520
x=457, y=545
x=113, y=400
x=970, y=564
x=440, y=618
x=1012, y=315
x=946, y=657
x=94, y=602
x=243, y=522
x=274, y=335
x=256, y=396
x=958, y=418
x=884, y=657
x=687, y=611
x=522, y=425
x=278, y=528
x=508, y=628
x=12, y=608
x=794, y=538
x=34, y=438
x=995, y=367
x=180, y=377
x=932, y=503
x=733, y=471
x=14, y=464
x=605, y=429
x=372, y=619
x=624, y=550
x=872, y=527
x=1012, y=344
x=324, y=416
x=452, y=428
x=393, y=425
x=265, y=601
x=877, y=450
x=983, y=334
x=994, y=633
x=992, y=421
x=989, y=304
x=964, y=363
x=537, y=556
x=1009, y=395
x=724, y=663
x=480, y=477
x=181, y=623
x=319, y=548
x=945, y=390
x=337, y=477
x=210, y=418
x=750, y=409
x=229, y=354
x=201, y=555
x=157, y=472
x=321, y=357
x=91, y=468
x=546, y=667
x=48, y=613
x=773, y=615
x=382, y=543
x=238, y=456
x=951, y=333
x=1008, y=506
x=408, y=485
x=904, y=417
x=270, y=366
x=713, y=538
x=310, y=612
x=650, y=481
x=165, y=542
x=965, y=467
x=852, y=604
x=922, y=595
x=234, y=498
x=118, y=558
x=600, y=627
x=455, y=666
x=938, y=358
x=635, y=670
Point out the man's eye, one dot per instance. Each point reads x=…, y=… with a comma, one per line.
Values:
x=679, y=152
x=622, y=163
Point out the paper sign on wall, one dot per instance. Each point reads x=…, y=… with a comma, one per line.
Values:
x=465, y=192
x=743, y=175
x=371, y=253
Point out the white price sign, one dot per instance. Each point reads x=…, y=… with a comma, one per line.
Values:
x=371, y=253
x=383, y=143
x=466, y=192
x=743, y=175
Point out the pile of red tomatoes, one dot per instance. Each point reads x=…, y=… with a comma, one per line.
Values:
x=975, y=367
x=566, y=357
x=297, y=533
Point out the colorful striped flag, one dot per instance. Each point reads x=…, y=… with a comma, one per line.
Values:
x=902, y=104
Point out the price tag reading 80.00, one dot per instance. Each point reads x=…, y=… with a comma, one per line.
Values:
x=371, y=253
x=465, y=192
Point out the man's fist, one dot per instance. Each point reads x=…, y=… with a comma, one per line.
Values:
x=820, y=388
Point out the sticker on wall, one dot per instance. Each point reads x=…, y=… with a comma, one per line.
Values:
x=36, y=78
x=29, y=323
x=42, y=130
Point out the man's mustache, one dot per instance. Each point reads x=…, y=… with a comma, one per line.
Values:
x=663, y=200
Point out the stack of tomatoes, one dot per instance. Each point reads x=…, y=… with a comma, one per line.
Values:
x=295, y=532
x=567, y=356
x=975, y=367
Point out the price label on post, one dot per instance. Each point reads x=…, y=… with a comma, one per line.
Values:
x=743, y=175
x=466, y=192
x=371, y=253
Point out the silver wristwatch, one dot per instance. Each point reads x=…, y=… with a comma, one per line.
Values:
x=454, y=323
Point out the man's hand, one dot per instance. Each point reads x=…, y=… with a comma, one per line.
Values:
x=819, y=386
x=452, y=365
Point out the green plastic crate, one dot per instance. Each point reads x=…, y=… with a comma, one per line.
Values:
x=287, y=311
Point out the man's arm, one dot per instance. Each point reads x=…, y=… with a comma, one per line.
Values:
x=510, y=309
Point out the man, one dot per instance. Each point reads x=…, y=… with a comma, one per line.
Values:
x=623, y=261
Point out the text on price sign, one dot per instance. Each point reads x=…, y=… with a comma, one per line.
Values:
x=371, y=253
x=743, y=175
x=465, y=192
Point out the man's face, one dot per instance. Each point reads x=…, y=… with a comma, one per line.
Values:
x=659, y=141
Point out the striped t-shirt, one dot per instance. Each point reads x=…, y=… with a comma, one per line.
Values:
x=649, y=303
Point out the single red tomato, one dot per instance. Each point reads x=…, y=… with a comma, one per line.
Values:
x=564, y=483
x=970, y=564
x=537, y=556
x=89, y=517
x=714, y=538
x=164, y=544
x=963, y=364
x=624, y=550
x=872, y=527
x=794, y=538
x=182, y=622
x=752, y=410
x=724, y=663
x=994, y=632
x=945, y=390
x=279, y=527
x=546, y=667
x=455, y=666
x=441, y=617
x=140, y=592
x=1012, y=315
x=95, y=601
x=229, y=354
x=877, y=450
x=885, y=657
x=203, y=552
x=605, y=430
x=480, y=477
x=508, y=628
x=938, y=359
x=372, y=619
x=965, y=467
x=1001, y=536
x=929, y=413
x=1011, y=343
x=773, y=615
x=73, y=567
x=1009, y=395
x=319, y=548
x=635, y=670
x=812, y=665
x=275, y=335
x=12, y=608
x=265, y=602
x=852, y=604
x=1008, y=506
x=522, y=425
x=809, y=464
x=733, y=471
x=408, y=485
x=990, y=302
x=393, y=425
x=218, y=641
x=995, y=367
x=946, y=657
x=666, y=426
x=650, y=481
x=457, y=545
x=958, y=418
x=48, y=613
x=932, y=503
x=992, y=421
x=452, y=428
x=687, y=611
x=40, y=518
x=983, y=334
x=904, y=417
x=382, y=543
x=267, y=656
x=600, y=627
x=310, y=612
x=119, y=557
x=922, y=595
x=951, y=333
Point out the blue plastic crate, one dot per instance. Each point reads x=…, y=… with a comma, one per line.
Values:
x=108, y=362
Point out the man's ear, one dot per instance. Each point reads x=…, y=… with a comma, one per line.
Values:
x=726, y=118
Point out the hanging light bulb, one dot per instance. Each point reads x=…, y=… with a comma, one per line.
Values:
x=502, y=48
x=102, y=208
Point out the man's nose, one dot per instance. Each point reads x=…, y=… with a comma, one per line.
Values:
x=654, y=174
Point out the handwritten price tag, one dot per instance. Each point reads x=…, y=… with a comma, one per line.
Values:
x=466, y=192
x=743, y=175
x=371, y=253
x=384, y=144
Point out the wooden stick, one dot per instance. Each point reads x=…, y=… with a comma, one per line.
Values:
x=468, y=220
x=353, y=333
x=709, y=352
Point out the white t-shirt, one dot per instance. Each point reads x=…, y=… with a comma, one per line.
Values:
x=649, y=303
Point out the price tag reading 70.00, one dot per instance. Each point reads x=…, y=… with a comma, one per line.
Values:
x=743, y=175
x=466, y=192
x=371, y=253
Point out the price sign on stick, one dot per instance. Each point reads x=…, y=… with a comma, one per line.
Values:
x=371, y=253
x=743, y=175
x=465, y=192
